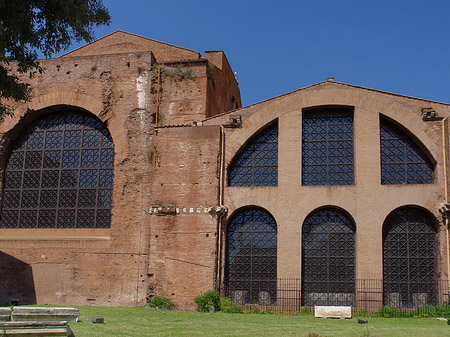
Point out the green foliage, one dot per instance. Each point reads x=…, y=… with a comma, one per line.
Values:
x=178, y=72
x=226, y=305
x=208, y=302
x=429, y=310
x=210, y=70
x=160, y=303
x=28, y=26
x=306, y=311
x=388, y=311
x=361, y=313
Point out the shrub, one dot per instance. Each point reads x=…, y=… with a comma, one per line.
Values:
x=388, y=311
x=429, y=310
x=360, y=312
x=208, y=302
x=229, y=307
x=305, y=311
x=160, y=303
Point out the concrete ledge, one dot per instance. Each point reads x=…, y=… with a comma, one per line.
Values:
x=19, y=329
x=332, y=312
x=44, y=314
x=5, y=314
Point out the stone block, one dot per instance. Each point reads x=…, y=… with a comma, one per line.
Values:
x=264, y=298
x=31, y=328
x=44, y=314
x=332, y=312
x=238, y=296
x=5, y=314
x=96, y=319
x=419, y=299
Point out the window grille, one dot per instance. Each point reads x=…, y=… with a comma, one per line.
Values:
x=60, y=174
x=409, y=258
x=252, y=257
x=327, y=147
x=257, y=163
x=328, y=250
x=402, y=161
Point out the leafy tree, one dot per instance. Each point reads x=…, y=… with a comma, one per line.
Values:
x=48, y=26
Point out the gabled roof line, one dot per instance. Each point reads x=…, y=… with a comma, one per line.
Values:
x=329, y=82
x=143, y=37
x=386, y=92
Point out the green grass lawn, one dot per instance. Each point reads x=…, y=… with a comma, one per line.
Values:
x=139, y=321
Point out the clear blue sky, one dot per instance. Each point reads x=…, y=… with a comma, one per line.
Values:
x=279, y=46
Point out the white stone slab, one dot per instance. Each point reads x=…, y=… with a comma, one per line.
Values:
x=5, y=314
x=44, y=314
x=332, y=312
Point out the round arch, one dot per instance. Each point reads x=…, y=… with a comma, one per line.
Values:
x=410, y=257
x=251, y=256
x=328, y=257
x=59, y=173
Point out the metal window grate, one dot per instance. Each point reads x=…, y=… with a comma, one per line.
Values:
x=257, y=163
x=327, y=147
x=60, y=174
x=409, y=258
x=402, y=161
x=252, y=257
x=328, y=250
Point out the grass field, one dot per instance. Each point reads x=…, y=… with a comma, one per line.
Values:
x=139, y=321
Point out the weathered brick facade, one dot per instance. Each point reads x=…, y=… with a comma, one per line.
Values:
x=171, y=116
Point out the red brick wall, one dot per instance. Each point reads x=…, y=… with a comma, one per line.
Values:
x=182, y=255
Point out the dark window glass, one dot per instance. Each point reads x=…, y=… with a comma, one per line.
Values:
x=257, y=163
x=328, y=256
x=252, y=257
x=409, y=258
x=402, y=161
x=60, y=174
x=327, y=147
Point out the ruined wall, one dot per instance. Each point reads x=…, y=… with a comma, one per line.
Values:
x=183, y=234
x=102, y=266
x=143, y=253
x=223, y=88
x=123, y=42
x=182, y=93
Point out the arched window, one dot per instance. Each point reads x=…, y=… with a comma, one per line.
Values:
x=328, y=256
x=327, y=146
x=402, y=161
x=257, y=162
x=60, y=174
x=409, y=258
x=252, y=257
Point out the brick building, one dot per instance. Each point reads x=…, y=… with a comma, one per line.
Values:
x=134, y=171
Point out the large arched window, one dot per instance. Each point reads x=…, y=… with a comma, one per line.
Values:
x=60, y=174
x=409, y=258
x=402, y=160
x=252, y=257
x=327, y=146
x=257, y=163
x=328, y=256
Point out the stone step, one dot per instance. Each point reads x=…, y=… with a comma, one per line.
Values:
x=30, y=329
x=44, y=314
x=5, y=314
